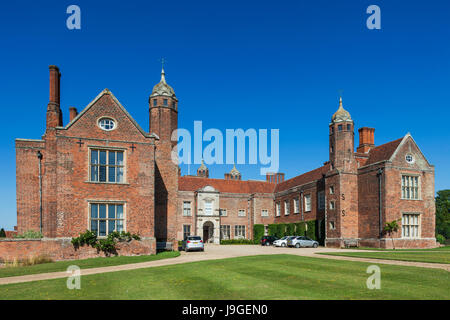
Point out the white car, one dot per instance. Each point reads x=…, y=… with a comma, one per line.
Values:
x=282, y=242
x=193, y=243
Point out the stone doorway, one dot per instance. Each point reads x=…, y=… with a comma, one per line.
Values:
x=208, y=232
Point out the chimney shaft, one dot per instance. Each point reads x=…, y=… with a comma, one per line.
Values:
x=366, y=139
x=274, y=177
x=55, y=77
x=73, y=113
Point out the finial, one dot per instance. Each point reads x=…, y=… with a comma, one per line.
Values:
x=163, y=74
x=340, y=102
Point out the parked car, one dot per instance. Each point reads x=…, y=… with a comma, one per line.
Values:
x=193, y=243
x=268, y=240
x=282, y=242
x=302, y=242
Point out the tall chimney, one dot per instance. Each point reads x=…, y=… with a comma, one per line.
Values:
x=55, y=77
x=54, y=114
x=73, y=113
x=366, y=139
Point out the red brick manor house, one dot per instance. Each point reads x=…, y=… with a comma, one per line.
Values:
x=101, y=171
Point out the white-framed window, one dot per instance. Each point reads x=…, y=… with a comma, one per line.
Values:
x=223, y=212
x=410, y=225
x=307, y=202
x=225, y=232
x=332, y=205
x=187, y=208
x=105, y=218
x=186, y=230
x=286, y=207
x=208, y=205
x=410, y=187
x=321, y=200
x=264, y=213
x=239, y=232
x=296, y=205
x=106, y=166
x=277, y=209
x=107, y=124
x=331, y=189
x=241, y=213
x=331, y=225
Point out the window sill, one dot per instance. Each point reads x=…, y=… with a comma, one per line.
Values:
x=110, y=183
x=411, y=199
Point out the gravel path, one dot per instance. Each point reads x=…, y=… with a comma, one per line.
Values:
x=220, y=252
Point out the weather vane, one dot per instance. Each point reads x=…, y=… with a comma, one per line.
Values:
x=162, y=60
x=340, y=92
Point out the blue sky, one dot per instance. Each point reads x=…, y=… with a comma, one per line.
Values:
x=235, y=64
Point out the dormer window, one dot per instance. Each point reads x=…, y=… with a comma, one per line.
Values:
x=107, y=124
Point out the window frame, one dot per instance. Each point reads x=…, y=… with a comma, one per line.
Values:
x=107, y=219
x=407, y=191
x=278, y=209
x=221, y=212
x=114, y=122
x=184, y=231
x=241, y=229
x=408, y=226
x=107, y=165
x=227, y=228
x=264, y=210
x=184, y=209
x=287, y=209
x=296, y=205
x=307, y=196
x=242, y=215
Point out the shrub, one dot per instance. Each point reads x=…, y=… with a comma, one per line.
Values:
x=440, y=238
x=239, y=241
x=272, y=228
x=290, y=229
x=2, y=233
x=258, y=231
x=311, y=232
x=300, y=229
x=106, y=245
x=30, y=234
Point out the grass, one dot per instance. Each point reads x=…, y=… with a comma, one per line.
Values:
x=255, y=277
x=445, y=248
x=83, y=264
x=436, y=256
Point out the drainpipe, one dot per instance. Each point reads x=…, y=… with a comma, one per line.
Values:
x=301, y=204
x=39, y=155
x=380, y=222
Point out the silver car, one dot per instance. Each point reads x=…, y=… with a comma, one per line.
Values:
x=193, y=243
x=302, y=242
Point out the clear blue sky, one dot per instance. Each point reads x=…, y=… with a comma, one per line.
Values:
x=235, y=64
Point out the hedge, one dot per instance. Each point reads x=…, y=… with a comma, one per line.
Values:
x=308, y=228
x=258, y=231
x=239, y=241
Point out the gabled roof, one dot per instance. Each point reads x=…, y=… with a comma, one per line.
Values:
x=192, y=183
x=307, y=177
x=101, y=94
x=383, y=152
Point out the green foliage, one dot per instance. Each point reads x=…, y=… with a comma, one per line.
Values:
x=440, y=238
x=297, y=229
x=390, y=228
x=258, y=231
x=106, y=245
x=2, y=233
x=311, y=232
x=30, y=234
x=239, y=241
x=443, y=213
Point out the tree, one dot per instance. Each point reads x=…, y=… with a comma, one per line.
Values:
x=2, y=233
x=443, y=213
x=390, y=228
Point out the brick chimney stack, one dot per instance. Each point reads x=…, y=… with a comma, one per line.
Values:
x=366, y=139
x=275, y=177
x=54, y=114
x=73, y=113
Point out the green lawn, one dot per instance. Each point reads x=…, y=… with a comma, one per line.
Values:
x=255, y=277
x=436, y=256
x=83, y=264
x=445, y=248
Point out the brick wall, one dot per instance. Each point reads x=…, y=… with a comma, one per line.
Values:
x=62, y=249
